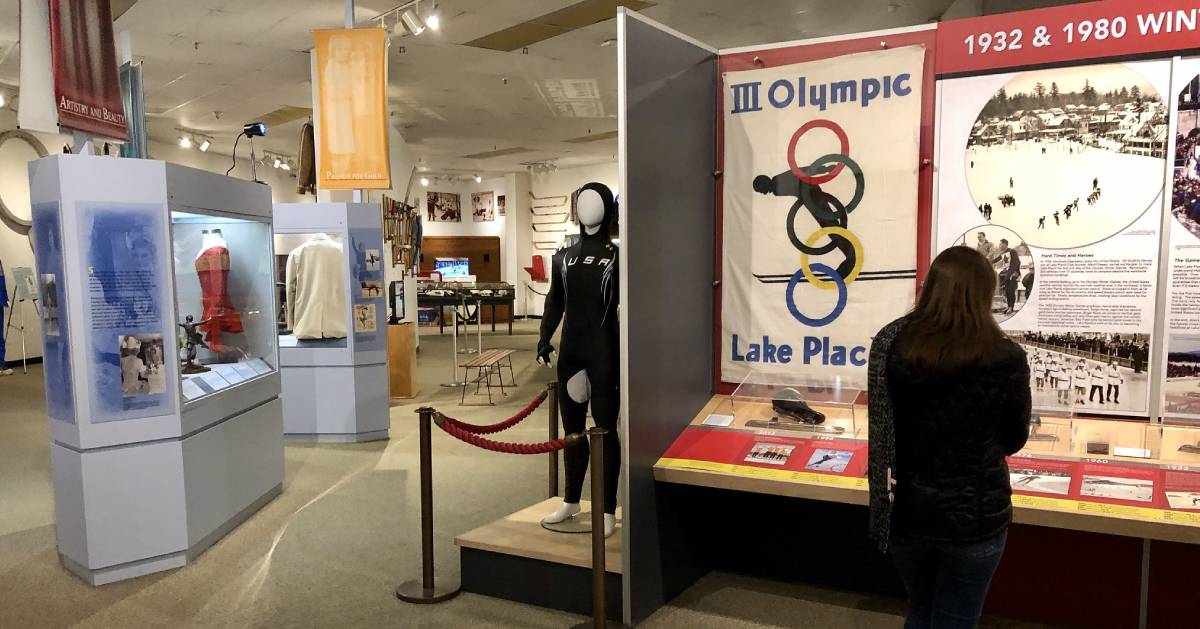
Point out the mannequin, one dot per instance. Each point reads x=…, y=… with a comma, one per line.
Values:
x=316, y=289
x=212, y=267
x=583, y=286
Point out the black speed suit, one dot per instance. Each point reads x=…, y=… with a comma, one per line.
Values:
x=583, y=286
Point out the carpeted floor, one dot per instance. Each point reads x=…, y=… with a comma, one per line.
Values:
x=331, y=549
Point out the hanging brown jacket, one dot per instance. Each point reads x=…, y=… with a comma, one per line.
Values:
x=306, y=171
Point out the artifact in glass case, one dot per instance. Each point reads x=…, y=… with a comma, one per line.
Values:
x=191, y=340
x=212, y=269
x=1035, y=431
x=316, y=289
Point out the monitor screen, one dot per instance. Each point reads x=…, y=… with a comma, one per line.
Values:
x=452, y=267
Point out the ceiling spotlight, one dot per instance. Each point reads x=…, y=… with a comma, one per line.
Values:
x=425, y=181
x=433, y=21
x=185, y=142
x=285, y=166
x=411, y=22
x=277, y=162
x=3, y=100
x=205, y=145
x=478, y=179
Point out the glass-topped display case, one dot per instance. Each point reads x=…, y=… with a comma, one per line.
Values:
x=799, y=406
x=223, y=301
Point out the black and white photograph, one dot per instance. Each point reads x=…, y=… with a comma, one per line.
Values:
x=1039, y=481
x=48, y=290
x=1182, y=390
x=770, y=453
x=364, y=318
x=1118, y=488
x=1094, y=371
x=443, y=207
x=1012, y=262
x=370, y=289
x=826, y=460
x=142, y=362
x=1069, y=156
x=500, y=205
x=1185, y=200
x=483, y=206
x=1184, y=500
x=373, y=259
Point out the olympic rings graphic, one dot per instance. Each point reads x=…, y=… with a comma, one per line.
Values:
x=812, y=278
x=843, y=294
x=791, y=152
x=833, y=218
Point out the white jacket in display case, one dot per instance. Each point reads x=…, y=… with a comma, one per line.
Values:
x=332, y=329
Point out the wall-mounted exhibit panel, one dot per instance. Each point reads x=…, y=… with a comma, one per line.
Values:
x=331, y=321
x=161, y=358
x=1059, y=143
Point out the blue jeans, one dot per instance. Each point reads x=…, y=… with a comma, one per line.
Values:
x=946, y=583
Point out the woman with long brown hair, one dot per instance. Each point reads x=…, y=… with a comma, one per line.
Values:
x=948, y=400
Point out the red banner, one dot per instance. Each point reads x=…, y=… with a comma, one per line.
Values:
x=86, y=87
x=1094, y=30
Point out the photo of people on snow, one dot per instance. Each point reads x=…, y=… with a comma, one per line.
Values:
x=1087, y=370
x=1182, y=391
x=1012, y=261
x=1068, y=156
x=1185, y=201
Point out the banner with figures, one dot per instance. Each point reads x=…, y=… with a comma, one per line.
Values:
x=819, y=205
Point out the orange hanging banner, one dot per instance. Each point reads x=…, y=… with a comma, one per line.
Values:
x=351, y=76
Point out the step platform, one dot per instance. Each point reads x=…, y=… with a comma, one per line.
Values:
x=515, y=559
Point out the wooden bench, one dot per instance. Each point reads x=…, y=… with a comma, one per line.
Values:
x=485, y=364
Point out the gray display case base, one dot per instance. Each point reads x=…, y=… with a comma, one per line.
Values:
x=361, y=437
x=133, y=569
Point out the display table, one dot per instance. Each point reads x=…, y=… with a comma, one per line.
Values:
x=555, y=568
x=440, y=302
x=722, y=457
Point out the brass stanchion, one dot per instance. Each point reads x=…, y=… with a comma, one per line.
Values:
x=552, y=400
x=599, y=598
x=427, y=589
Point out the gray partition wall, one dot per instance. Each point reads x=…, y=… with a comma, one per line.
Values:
x=667, y=86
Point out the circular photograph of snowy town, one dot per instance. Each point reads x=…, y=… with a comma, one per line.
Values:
x=1068, y=156
x=1012, y=262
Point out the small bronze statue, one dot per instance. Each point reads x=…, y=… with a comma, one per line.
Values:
x=193, y=339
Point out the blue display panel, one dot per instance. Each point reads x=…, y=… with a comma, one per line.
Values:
x=126, y=303
x=366, y=272
x=52, y=290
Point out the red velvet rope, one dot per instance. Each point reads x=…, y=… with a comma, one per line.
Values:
x=497, y=427
x=510, y=448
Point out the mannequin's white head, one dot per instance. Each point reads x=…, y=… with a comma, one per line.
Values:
x=589, y=207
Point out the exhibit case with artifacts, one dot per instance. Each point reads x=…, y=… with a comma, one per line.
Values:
x=331, y=321
x=162, y=387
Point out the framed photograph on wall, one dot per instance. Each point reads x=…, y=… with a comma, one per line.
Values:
x=500, y=205
x=483, y=206
x=443, y=207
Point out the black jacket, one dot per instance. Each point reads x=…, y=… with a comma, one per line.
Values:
x=953, y=429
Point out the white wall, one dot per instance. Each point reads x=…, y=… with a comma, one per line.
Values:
x=562, y=182
x=14, y=185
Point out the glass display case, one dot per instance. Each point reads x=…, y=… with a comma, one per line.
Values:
x=161, y=358
x=223, y=301
x=798, y=406
x=311, y=278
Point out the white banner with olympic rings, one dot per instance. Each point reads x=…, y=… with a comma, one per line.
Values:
x=820, y=187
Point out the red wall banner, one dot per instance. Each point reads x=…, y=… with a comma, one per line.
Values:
x=86, y=87
x=1092, y=31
